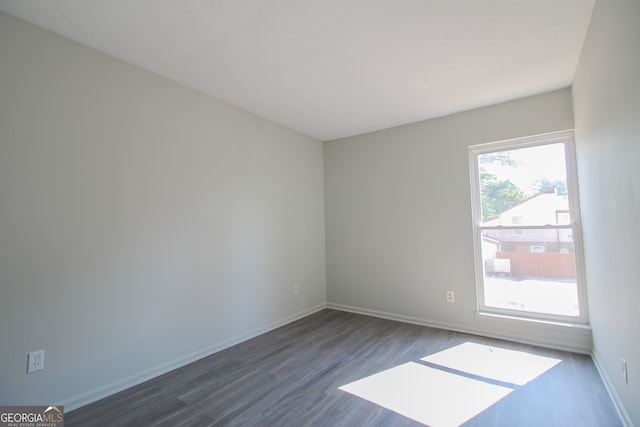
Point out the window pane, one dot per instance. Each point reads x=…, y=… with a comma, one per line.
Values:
x=525, y=186
x=525, y=269
x=534, y=271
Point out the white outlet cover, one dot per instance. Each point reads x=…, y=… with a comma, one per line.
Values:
x=35, y=361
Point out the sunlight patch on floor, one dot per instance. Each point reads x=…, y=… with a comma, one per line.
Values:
x=510, y=366
x=434, y=396
x=427, y=395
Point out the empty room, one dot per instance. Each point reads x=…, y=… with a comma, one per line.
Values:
x=319, y=213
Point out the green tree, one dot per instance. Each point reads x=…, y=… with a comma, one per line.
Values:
x=497, y=195
x=505, y=158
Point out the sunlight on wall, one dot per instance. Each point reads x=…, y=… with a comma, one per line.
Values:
x=436, y=397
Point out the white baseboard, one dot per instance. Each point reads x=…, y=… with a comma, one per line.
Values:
x=557, y=344
x=615, y=398
x=90, y=396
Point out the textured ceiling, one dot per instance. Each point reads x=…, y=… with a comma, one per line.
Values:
x=335, y=68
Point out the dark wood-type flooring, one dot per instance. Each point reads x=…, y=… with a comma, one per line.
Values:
x=290, y=377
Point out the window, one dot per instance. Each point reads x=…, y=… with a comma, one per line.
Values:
x=517, y=220
x=526, y=228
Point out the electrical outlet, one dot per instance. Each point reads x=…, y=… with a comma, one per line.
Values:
x=451, y=296
x=625, y=373
x=296, y=289
x=35, y=361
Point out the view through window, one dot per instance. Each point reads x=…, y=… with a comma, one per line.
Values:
x=526, y=227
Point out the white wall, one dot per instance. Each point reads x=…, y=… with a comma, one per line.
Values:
x=606, y=95
x=142, y=224
x=398, y=217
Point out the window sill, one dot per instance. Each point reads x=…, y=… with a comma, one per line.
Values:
x=540, y=323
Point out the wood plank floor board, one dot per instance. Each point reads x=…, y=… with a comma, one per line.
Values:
x=291, y=377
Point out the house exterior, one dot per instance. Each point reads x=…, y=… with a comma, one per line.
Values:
x=532, y=252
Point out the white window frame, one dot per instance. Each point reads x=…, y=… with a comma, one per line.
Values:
x=565, y=137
